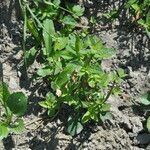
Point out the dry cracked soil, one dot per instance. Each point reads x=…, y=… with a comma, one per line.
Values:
x=125, y=131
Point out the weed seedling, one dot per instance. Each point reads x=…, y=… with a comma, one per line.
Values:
x=13, y=106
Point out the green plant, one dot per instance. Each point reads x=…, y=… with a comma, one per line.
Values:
x=71, y=62
x=141, y=12
x=138, y=9
x=13, y=106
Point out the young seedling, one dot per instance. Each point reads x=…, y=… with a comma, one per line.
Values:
x=13, y=106
x=139, y=11
x=71, y=63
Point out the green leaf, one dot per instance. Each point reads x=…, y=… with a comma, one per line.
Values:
x=65, y=75
x=74, y=126
x=142, y=23
x=69, y=20
x=91, y=83
x=105, y=107
x=30, y=56
x=136, y=7
x=48, y=33
x=121, y=73
x=33, y=30
x=49, y=102
x=52, y=111
x=148, y=124
x=56, y=2
x=43, y=72
x=67, y=54
x=60, y=43
x=145, y=98
x=86, y=117
x=78, y=44
x=17, y=103
x=105, y=53
x=44, y=104
x=78, y=10
x=17, y=126
x=3, y=131
x=4, y=92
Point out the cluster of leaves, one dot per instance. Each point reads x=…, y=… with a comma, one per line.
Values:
x=71, y=62
x=139, y=9
x=13, y=106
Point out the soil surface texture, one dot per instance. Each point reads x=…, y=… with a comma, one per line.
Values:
x=126, y=130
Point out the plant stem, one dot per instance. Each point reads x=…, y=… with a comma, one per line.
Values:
x=38, y=21
x=110, y=91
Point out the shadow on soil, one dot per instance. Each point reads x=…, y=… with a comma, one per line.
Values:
x=10, y=16
x=125, y=34
x=129, y=36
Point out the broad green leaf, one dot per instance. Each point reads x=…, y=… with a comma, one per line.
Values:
x=142, y=23
x=17, y=103
x=121, y=73
x=17, y=126
x=145, y=98
x=69, y=20
x=3, y=131
x=78, y=10
x=95, y=40
x=56, y=2
x=104, y=81
x=146, y=3
x=43, y=72
x=60, y=43
x=136, y=7
x=74, y=126
x=58, y=67
x=48, y=33
x=49, y=102
x=70, y=100
x=44, y=104
x=105, y=107
x=72, y=40
x=53, y=110
x=67, y=54
x=30, y=56
x=33, y=30
x=130, y=2
x=65, y=75
x=86, y=117
x=148, y=124
x=91, y=83
x=78, y=44
x=117, y=91
x=105, y=53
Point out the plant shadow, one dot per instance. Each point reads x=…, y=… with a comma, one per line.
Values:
x=127, y=37
x=132, y=41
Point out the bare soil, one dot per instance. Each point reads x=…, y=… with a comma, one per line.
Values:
x=126, y=130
